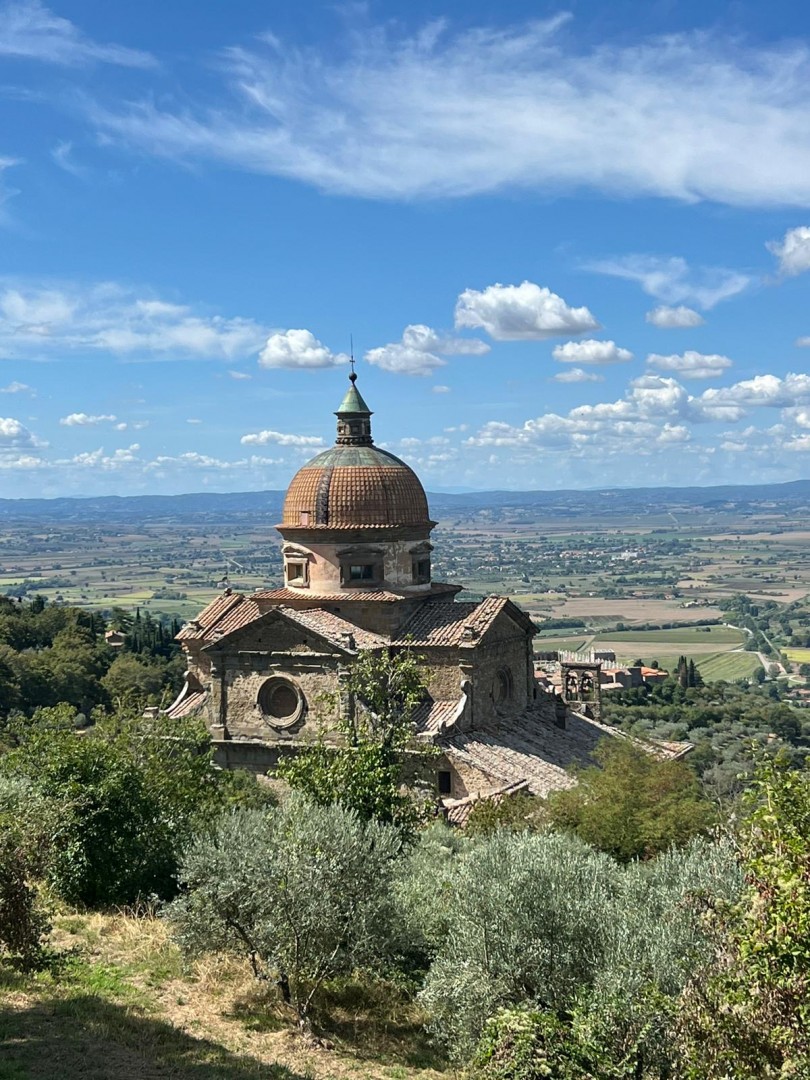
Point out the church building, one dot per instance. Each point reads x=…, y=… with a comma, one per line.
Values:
x=357, y=551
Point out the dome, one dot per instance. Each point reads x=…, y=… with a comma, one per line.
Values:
x=348, y=486
x=355, y=483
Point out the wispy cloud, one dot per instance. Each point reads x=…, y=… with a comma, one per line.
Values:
x=31, y=31
x=83, y=419
x=674, y=281
x=451, y=114
x=62, y=154
x=6, y=192
x=46, y=320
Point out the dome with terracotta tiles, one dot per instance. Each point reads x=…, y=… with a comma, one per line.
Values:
x=355, y=483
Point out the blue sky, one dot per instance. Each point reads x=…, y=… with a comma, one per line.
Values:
x=571, y=243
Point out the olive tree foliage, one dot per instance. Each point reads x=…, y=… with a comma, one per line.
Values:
x=365, y=772
x=303, y=892
x=423, y=892
x=530, y=923
x=597, y=953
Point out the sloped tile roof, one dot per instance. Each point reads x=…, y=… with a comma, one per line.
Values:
x=532, y=748
x=457, y=811
x=333, y=628
x=232, y=612
x=210, y=615
x=432, y=715
x=457, y=623
x=281, y=596
x=185, y=706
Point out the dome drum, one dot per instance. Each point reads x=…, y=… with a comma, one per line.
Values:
x=356, y=516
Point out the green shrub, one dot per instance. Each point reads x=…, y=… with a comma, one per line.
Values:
x=528, y=1044
x=24, y=922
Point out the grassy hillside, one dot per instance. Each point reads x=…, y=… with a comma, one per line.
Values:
x=119, y=1003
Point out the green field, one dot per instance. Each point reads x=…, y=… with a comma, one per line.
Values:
x=714, y=635
x=712, y=666
x=798, y=656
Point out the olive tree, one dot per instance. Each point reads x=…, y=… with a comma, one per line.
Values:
x=302, y=892
x=530, y=923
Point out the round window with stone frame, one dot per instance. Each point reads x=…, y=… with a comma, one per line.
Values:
x=281, y=702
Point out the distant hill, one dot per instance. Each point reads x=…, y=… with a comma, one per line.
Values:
x=265, y=506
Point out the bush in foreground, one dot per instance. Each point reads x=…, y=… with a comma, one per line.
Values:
x=302, y=892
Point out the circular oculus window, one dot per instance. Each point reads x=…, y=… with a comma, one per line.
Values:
x=281, y=702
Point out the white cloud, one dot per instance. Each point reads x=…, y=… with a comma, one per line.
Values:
x=763, y=391
x=14, y=435
x=98, y=459
x=673, y=318
x=82, y=419
x=457, y=113
x=418, y=351
x=577, y=375
x=404, y=360
x=793, y=251
x=656, y=411
x=30, y=31
x=16, y=388
x=278, y=438
x=38, y=321
x=525, y=312
x=418, y=336
x=591, y=352
x=240, y=375
x=298, y=349
x=673, y=281
x=192, y=459
x=803, y=342
x=193, y=420
x=690, y=364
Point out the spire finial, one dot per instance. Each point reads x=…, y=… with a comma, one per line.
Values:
x=353, y=376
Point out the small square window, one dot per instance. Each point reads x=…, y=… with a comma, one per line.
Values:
x=364, y=572
x=445, y=782
x=297, y=573
x=421, y=571
x=303, y=517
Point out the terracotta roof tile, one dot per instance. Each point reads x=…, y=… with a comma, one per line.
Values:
x=281, y=596
x=334, y=629
x=453, y=624
x=210, y=615
x=187, y=705
x=431, y=716
x=532, y=748
x=457, y=811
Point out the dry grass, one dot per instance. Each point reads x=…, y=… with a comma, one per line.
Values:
x=121, y=1004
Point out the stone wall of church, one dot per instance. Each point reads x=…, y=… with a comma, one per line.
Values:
x=241, y=671
x=509, y=656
